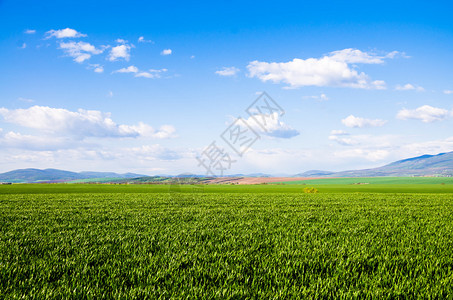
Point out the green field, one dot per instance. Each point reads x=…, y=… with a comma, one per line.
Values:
x=264, y=241
x=333, y=185
x=376, y=180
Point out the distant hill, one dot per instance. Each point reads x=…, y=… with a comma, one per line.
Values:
x=314, y=173
x=37, y=175
x=425, y=165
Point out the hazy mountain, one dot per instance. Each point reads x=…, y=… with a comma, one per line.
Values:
x=37, y=175
x=440, y=164
x=110, y=175
x=314, y=173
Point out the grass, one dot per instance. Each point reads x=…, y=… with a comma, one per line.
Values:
x=376, y=180
x=90, y=241
x=235, y=189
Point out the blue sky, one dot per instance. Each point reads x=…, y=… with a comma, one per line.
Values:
x=146, y=87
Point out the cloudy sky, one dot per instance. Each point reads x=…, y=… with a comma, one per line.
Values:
x=158, y=88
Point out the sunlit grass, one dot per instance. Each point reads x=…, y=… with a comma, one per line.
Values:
x=184, y=245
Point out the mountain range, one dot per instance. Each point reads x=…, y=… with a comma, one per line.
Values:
x=425, y=165
x=37, y=175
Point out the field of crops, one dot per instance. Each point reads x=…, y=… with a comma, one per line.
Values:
x=80, y=242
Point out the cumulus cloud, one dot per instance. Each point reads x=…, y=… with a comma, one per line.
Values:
x=30, y=31
x=409, y=87
x=330, y=70
x=355, y=56
x=228, y=71
x=143, y=40
x=358, y=122
x=166, y=52
x=120, y=52
x=148, y=74
x=425, y=113
x=151, y=73
x=80, y=51
x=273, y=126
x=130, y=69
x=367, y=147
x=64, y=33
x=81, y=123
x=13, y=139
x=342, y=140
x=99, y=69
x=433, y=147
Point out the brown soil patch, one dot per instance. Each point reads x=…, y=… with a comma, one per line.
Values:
x=254, y=180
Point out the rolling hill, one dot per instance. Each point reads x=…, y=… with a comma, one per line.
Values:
x=424, y=165
x=37, y=175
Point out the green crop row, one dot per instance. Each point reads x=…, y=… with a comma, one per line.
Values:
x=225, y=245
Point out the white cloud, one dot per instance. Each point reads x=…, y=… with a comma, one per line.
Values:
x=166, y=52
x=192, y=56
x=367, y=147
x=433, y=147
x=158, y=70
x=144, y=130
x=273, y=126
x=27, y=100
x=365, y=141
x=357, y=122
x=425, y=113
x=17, y=140
x=121, y=41
x=30, y=31
x=330, y=70
x=368, y=154
x=408, y=87
x=342, y=140
x=322, y=97
x=110, y=94
x=145, y=75
x=97, y=68
x=142, y=40
x=154, y=152
x=338, y=132
x=355, y=56
x=80, y=51
x=228, y=71
x=152, y=73
x=64, y=33
x=81, y=124
x=130, y=69
x=23, y=46
x=120, y=52
x=448, y=92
